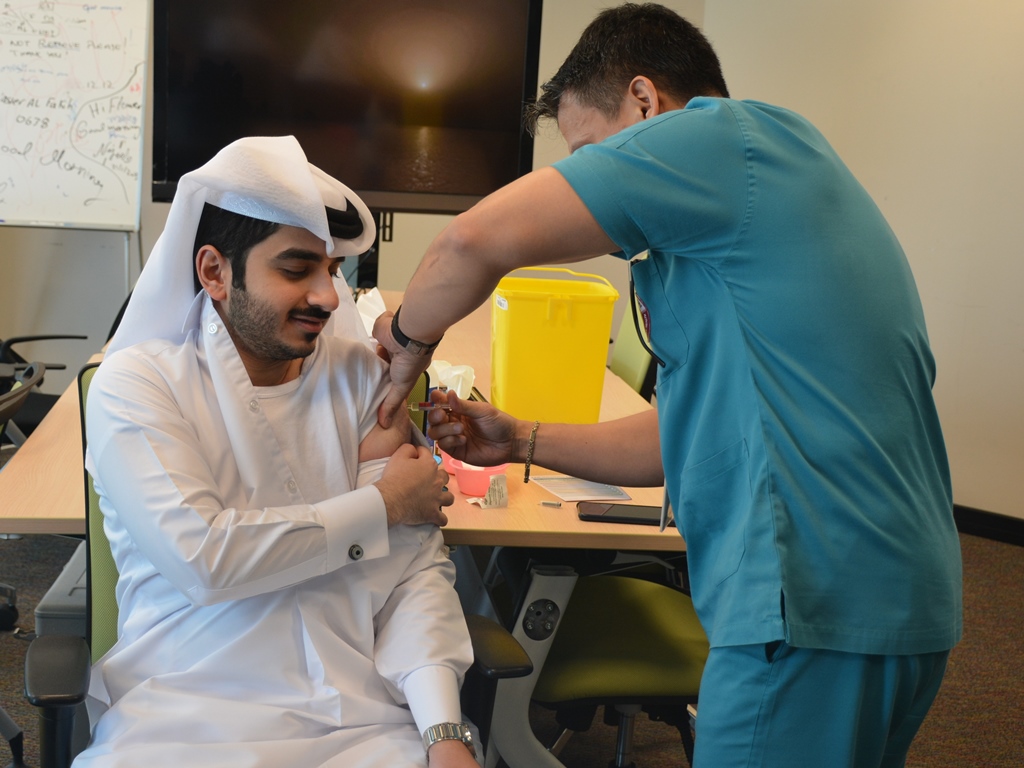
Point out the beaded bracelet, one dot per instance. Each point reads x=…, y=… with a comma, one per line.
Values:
x=529, y=451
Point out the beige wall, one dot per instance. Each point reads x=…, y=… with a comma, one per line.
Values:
x=922, y=99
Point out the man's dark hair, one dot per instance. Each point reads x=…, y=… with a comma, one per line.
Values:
x=622, y=43
x=233, y=235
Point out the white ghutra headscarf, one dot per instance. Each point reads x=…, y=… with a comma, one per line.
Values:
x=267, y=178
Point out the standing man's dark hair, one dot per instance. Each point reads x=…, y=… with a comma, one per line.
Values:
x=626, y=41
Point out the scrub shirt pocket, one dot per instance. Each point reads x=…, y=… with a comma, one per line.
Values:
x=715, y=495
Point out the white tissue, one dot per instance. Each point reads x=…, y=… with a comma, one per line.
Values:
x=458, y=378
x=370, y=306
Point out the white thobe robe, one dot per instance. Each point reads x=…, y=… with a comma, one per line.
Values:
x=268, y=616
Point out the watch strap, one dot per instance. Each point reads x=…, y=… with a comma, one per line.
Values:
x=448, y=732
x=420, y=348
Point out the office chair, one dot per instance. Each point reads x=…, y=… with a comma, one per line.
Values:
x=38, y=403
x=630, y=361
x=10, y=402
x=57, y=667
x=19, y=381
x=15, y=739
x=629, y=644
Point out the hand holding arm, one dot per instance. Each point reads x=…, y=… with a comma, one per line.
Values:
x=414, y=488
x=406, y=368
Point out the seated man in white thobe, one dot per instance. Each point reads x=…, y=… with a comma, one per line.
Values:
x=285, y=595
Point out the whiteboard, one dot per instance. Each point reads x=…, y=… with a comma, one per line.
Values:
x=71, y=112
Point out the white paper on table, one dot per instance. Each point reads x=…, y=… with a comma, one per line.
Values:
x=497, y=494
x=573, y=489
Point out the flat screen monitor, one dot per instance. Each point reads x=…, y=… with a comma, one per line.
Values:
x=414, y=104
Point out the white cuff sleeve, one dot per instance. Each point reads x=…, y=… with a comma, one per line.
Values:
x=356, y=524
x=433, y=696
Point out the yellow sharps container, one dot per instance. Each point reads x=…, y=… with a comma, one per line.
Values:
x=549, y=344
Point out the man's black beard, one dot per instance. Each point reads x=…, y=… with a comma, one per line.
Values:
x=255, y=325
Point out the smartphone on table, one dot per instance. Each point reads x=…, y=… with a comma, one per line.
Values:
x=613, y=512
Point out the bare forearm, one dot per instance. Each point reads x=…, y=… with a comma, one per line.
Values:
x=626, y=451
x=449, y=284
x=537, y=219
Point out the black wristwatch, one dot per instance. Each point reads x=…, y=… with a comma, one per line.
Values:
x=420, y=348
x=445, y=732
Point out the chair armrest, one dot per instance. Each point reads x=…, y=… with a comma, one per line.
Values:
x=57, y=671
x=496, y=653
x=7, y=355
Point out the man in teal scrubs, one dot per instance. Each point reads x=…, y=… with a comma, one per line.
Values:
x=800, y=442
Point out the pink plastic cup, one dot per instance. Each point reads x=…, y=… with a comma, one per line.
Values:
x=473, y=480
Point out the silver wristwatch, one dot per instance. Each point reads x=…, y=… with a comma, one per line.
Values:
x=446, y=731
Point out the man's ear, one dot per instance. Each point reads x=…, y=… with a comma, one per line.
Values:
x=214, y=271
x=645, y=98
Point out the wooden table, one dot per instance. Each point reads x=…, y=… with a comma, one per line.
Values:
x=525, y=523
x=42, y=486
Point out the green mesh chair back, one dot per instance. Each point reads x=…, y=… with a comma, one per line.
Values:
x=101, y=612
x=630, y=361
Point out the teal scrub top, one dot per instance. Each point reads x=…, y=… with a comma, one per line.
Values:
x=802, y=449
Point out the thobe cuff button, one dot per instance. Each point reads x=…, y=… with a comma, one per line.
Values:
x=292, y=486
x=355, y=552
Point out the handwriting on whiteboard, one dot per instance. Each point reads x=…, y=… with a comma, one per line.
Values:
x=71, y=112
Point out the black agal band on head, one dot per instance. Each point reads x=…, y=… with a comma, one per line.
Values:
x=344, y=224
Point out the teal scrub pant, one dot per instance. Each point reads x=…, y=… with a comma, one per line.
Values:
x=775, y=706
